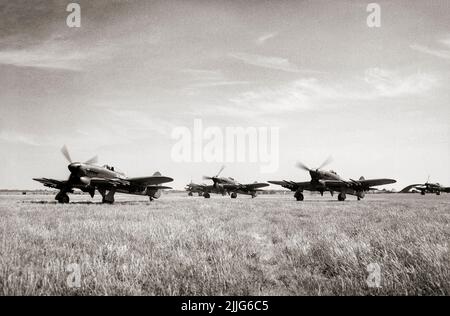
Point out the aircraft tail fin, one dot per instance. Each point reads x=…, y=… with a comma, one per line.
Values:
x=157, y=173
x=362, y=178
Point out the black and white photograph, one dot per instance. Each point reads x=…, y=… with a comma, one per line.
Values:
x=224, y=152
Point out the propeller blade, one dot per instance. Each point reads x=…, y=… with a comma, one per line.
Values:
x=207, y=178
x=326, y=162
x=303, y=166
x=221, y=169
x=91, y=161
x=66, y=154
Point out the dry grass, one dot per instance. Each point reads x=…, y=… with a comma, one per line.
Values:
x=193, y=246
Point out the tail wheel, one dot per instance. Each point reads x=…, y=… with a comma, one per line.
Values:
x=206, y=195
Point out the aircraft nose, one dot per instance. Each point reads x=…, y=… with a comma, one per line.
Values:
x=74, y=167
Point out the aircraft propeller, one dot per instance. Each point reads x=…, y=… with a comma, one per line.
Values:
x=306, y=168
x=214, y=177
x=66, y=154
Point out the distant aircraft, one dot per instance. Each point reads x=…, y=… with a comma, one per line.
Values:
x=192, y=188
x=89, y=177
x=427, y=187
x=228, y=185
x=322, y=181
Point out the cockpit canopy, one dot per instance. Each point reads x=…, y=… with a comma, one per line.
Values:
x=110, y=168
x=333, y=172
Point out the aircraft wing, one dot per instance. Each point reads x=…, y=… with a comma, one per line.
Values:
x=254, y=186
x=102, y=182
x=245, y=187
x=146, y=181
x=337, y=185
x=375, y=182
x=409, y=187
x=158, y=187
x=51, y=183
x=293, y=186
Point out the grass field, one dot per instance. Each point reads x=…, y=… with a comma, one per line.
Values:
x=271, y=245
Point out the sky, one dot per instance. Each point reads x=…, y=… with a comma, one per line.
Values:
x=374, y=98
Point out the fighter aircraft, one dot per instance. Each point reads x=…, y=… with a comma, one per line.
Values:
x=222, y=185
x=89, y=177
x=427, y=187
x=322, y=181
x=192, y=188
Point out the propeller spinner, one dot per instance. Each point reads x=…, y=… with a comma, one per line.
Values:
x=314, y=172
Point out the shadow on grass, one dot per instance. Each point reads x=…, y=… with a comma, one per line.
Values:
x=89, y=203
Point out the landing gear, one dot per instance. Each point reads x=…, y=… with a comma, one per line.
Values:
x=299, y=196
x=200, y=194
x=342, y=197
x=206, y=195
x=190, y=194
x=253, y=195
x=233, y=195
x=63, y=199
x=438, y=193
x=108, y=198
x=106, y=201
x=422, y=193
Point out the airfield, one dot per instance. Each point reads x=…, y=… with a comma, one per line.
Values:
x=270, y=245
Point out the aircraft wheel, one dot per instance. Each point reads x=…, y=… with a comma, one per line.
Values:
x=341, y=197
x=233, y=195
x=299, y=196
x=190, y=194
x=64, y=199
x=438, y=193
x=206, y=195
x=104, y=201
x=200, y=194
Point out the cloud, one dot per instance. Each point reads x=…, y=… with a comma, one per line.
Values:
x=202, y=74
x=441, y=53
x=200, y=78
x=311, y=93
x=219, y=84
x=53, y=55
x=391, y=84
x=17, y=137
x=265, y=37
x=276, y=63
